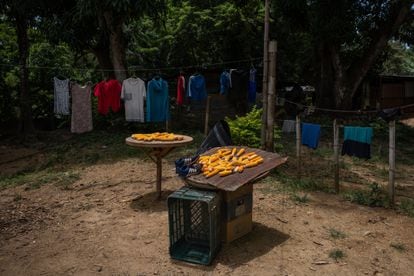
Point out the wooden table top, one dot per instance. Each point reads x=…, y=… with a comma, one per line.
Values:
x=234, y=181
x=159, y=144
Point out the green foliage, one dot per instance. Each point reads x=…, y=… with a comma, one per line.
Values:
x=300, y=198
x=246, y=130
x=375, y=197
x=336, y=234
x=407, y=207
x=336, y=254
x=400, y=247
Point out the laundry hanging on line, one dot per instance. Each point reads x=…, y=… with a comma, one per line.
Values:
x=134, y=93
x=81, y=119
x=109, y=96
x=357, y=141
x=158, y=108
x=251, y=97
x=196, y=89
x=310, y=135
x=288, y=126
x=61, y=96
x=180, y=89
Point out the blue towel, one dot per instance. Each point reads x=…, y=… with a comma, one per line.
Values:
x=358, y=134
x=310, y=135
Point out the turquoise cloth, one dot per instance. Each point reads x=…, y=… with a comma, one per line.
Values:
x=358, y=134
x=158, y=108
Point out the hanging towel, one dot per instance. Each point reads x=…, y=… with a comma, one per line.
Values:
x=357, y=141
x=158, y=108
x=288, y=126
x=180, y=90
x=251, y=96
x=310, y=135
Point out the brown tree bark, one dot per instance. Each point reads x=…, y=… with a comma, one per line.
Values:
x=116, y=43
x=26, y=120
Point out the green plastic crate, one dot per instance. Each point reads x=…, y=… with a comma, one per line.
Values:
x=194, y=225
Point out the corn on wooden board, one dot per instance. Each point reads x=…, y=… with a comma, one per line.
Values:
x=233, y=181
x=159, y=144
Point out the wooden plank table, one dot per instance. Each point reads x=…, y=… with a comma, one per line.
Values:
x=156, y=150
x=234, y=181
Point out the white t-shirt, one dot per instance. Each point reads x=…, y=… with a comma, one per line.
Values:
x=133, y=93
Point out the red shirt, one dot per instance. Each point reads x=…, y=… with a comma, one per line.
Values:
x=180, y=90
x=109, y=96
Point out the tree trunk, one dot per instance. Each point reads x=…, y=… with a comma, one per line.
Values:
x=324, y=96
x=103, y=56
x=347, y=81
x=117, y=44
x=26, y=120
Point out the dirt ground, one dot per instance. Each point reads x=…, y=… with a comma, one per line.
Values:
x=109, y=223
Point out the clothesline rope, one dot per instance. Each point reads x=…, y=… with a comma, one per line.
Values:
x=357, y=112
x=138, y=68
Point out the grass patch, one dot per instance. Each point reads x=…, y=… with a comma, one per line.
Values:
x=300, y=199
x=399, y=247
x=407, y=207
x=336, y=234
x=375, y=197
x=337, y=254
x=37, y=179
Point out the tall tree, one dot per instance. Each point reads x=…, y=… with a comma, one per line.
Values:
x=347, y=37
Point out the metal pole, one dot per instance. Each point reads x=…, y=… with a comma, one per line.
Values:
x=265, y=73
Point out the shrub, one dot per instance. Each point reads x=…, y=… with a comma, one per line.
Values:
x=246, y=130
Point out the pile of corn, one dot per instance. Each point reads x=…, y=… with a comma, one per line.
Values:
x=227, y=161
x=157, y=136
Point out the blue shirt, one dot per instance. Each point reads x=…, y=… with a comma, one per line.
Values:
x=224, y=83
x=197, y=88
x=251, y=96
x=158, y=107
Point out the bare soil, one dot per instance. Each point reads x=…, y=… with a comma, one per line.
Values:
x=109, y=223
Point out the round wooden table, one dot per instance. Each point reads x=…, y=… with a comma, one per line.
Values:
x=156, y=150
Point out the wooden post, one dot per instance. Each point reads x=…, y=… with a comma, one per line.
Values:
x=391, y=152
x=159, y=176
x=336, y=154
x=207, y=115
x=298, y=144
x=271, y=95
x=167, y=126
x=265, y=73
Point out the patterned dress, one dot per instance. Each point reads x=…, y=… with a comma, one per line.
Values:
x=61, y=96
x=81, y=109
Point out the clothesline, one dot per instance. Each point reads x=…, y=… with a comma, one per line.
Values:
x=138, y=68
x=356, y=112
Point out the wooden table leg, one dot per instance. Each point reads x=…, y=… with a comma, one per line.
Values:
x=159, y=176
x=156, y=155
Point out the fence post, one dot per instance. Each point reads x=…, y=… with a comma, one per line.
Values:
x=207, y=115
x=391, y=152
x=271, y=95
x=298, y=144
x=336, y=154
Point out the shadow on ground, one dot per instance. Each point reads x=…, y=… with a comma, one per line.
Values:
x=260, y=241
x=149, y=203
